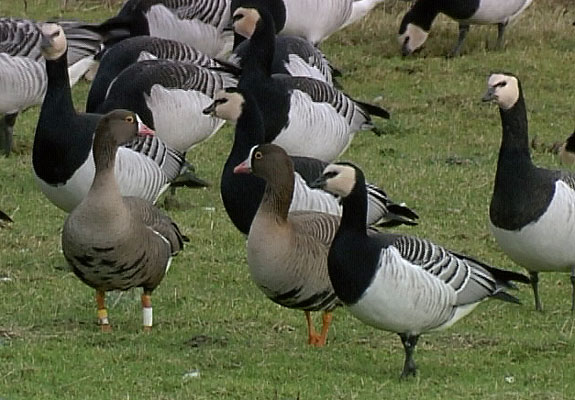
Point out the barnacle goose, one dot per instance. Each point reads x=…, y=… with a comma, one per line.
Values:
x=416, y=23
x=198, y=23
x=170, y=96
x=400, y=283
x=305, y=116
x=62, y=152
x=23, y=77
x=531, y=211
x=241, y=194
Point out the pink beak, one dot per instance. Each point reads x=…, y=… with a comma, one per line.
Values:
x=243, y=168
x=144, y=130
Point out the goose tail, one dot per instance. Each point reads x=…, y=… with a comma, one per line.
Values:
x=373, y=109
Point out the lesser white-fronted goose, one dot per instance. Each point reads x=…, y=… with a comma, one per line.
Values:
x=531, y=209
x=114, y=242
x=241, y=194
x=62, y=153
x=401, y=283
x=416, y=23
x=287, y=253
x=307, y=117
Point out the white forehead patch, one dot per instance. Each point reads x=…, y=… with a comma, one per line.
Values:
x=505, y=90
x=416, y=38
x=341, y=180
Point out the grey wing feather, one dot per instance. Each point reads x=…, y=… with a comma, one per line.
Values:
x=156, y=220
x=170, y=161
x=322, y=227
x=20, y=37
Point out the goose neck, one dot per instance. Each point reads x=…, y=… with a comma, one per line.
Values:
x=354, y=212
x=515, y=137
x=58, y=91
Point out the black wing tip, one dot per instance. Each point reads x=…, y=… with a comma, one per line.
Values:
x=374, y=110
x=504, y=296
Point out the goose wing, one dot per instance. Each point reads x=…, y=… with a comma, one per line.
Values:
x=20, y=37
x=469, y=278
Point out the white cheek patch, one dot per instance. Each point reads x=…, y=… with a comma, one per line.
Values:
x=505, y=96
x=417, y=37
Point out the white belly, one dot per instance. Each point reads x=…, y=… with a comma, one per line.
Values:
x=549, y=243
x=403, y=298
x=498, y=11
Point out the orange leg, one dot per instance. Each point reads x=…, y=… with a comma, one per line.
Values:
x=102, y=311
x=315, y=339
x=147, y=310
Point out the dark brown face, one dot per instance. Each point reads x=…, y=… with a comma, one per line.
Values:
x=122, y=124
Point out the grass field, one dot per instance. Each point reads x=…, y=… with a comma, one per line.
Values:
x=217, y=337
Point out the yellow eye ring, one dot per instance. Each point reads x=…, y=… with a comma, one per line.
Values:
x=129, y=119
x=258, y=155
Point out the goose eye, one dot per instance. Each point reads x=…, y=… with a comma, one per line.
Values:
x=330, y=174
x=130, y=119
x=258, y=155
x=237, y=17
x=501, y=84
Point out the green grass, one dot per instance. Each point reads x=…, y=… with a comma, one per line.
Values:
x=439, y=156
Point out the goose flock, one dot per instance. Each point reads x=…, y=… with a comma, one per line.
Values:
x=171, y=73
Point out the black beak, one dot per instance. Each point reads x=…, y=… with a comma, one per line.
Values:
x=489, y=95
x=319, y=183
x=211, y=109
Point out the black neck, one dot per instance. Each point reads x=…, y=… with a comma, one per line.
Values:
x=261, y=46
x=249, y=130
x=422, y=14
x=354, y=214
x=58, y=91
x=515, y=140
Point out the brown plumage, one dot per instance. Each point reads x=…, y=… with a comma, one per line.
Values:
x=114, y=242
x=287, y=253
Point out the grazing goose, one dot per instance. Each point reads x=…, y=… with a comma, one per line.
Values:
x=198, y=23
x=132, y=50
x=23, y=77
x=62, y=152
x=401, y=283
x=287, y=253
x=114, y=242
x=169, y=96
x=313, y=20
x=567, y=151
x=531, y=211
x=416, y=24
x=241, y=194
x=305, y=116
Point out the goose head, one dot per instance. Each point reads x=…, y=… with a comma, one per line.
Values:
x=245, y=21
x=411, y=37
x=227, y=104
x=119, y=126
x=266, y=161
x=503, y=89
x=338, y=179
x=53, y=43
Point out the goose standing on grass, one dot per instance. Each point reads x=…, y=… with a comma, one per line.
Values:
x=198, y=23
x=287, y=252
x=305, y=116
x=567, y=151
x=416, y=24
x=62, y=152
x=400, y=283
x=23, y=78
x=139, y=48
x=242, y=194
x=531, y=211
x=114, y=242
